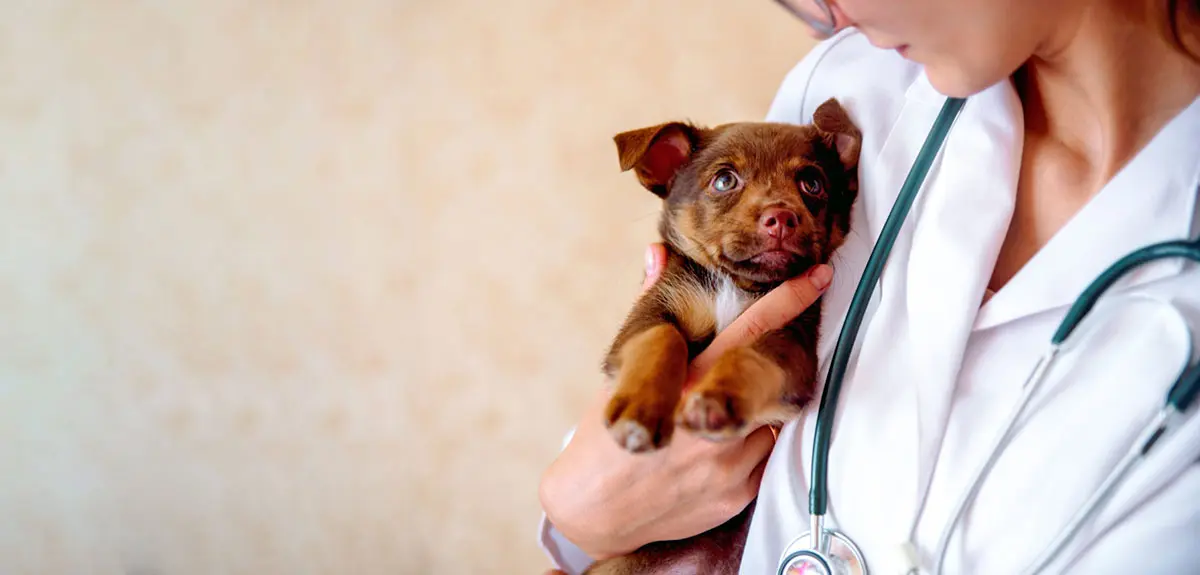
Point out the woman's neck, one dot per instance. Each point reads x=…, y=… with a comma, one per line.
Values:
x=1105, y=84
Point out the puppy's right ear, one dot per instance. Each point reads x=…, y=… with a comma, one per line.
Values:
x=656, y=153
x=834, y=123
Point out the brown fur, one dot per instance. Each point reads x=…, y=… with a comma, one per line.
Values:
x=716, y=237
x=655, y=366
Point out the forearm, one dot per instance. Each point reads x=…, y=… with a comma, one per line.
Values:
x=573, y=494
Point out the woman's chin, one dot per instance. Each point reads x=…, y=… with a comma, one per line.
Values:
x=955, y=82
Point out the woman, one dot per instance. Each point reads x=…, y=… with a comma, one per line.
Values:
x=1079, y=142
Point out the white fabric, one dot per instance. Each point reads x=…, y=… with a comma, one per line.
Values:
x=937, y=367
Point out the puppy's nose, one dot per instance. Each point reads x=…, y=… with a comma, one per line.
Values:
x=778, y=223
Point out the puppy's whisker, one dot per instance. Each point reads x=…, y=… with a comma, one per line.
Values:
x=644, y=216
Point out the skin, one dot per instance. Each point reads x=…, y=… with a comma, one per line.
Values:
x=1097, y=80
x=688, y=487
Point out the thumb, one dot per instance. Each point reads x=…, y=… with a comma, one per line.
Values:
x=770, y=312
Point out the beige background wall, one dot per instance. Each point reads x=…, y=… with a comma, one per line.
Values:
x=316, y=287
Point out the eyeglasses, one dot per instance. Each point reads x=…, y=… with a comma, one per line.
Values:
x=816, y=13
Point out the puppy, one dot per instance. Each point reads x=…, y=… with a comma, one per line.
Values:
x=745, y=207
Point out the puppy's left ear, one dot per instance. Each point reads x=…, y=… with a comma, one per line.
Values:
x=656, y=153
x=835, y=126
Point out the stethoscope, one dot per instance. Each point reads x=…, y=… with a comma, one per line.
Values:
x=828, y=551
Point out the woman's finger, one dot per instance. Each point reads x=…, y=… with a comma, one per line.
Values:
x=770, y=312
x=656, y=262
x=756, y=477
x=754, y=450
x=743, y=467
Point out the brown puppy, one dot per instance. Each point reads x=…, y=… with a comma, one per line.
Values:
x=746, y=206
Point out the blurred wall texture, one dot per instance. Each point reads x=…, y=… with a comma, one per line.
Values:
x=316, y=287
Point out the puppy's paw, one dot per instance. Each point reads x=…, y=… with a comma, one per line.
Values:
x=713, y=414
x=638, y=425
x=738, y=391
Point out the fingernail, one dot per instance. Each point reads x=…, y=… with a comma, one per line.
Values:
x=649, y=260
x=821, y=276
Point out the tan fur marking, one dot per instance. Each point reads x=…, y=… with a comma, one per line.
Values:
x=647, y=353
x=691, y=303
x=653, y=370
x=686, y=223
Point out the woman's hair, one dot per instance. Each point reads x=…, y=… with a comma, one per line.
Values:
x=1181, y=18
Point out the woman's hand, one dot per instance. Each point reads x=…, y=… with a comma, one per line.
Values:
x=610, y=502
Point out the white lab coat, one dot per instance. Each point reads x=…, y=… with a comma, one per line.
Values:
x=940, y=362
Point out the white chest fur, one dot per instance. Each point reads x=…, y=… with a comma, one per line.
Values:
x=729, y=303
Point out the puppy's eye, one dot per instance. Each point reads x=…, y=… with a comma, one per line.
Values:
x=726, y=180
x=811, y=187
x=809, y=183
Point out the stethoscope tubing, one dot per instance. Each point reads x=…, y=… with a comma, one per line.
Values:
x=1138, y=449
x=819, y=491
x=1002, y=439
x=1186, y=249
x=1180, y=396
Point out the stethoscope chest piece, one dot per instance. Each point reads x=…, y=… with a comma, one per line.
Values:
x=841, y=557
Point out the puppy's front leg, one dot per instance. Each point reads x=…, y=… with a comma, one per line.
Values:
x=767, y=382
x=649, y=361
x=653, y=366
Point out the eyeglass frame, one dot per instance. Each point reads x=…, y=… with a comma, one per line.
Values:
x=824, y=29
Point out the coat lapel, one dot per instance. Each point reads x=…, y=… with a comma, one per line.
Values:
x=964, y=219
x=1140, y=206
x=933, y=279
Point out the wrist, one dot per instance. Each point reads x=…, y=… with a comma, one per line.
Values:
x=579, y=517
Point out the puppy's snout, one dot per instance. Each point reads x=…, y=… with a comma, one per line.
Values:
x=778, y=223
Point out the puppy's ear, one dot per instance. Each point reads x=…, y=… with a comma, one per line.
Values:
x=656, y=153
x=835, y=126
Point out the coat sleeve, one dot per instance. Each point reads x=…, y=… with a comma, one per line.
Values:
x=1161, y=536
x=563, y=554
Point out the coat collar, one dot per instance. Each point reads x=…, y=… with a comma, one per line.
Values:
x=1152, y=199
